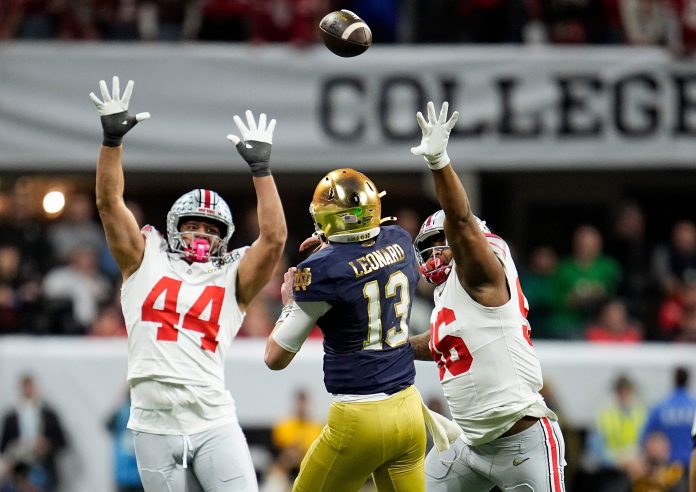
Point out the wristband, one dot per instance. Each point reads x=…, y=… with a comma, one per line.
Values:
x=287, y=309
x=114, y=128
x=440, y=161
x=111, y=141
x=259, y=169
x=257, y=155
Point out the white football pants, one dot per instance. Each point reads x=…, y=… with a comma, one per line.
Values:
x=216, y=460
x=530, y=461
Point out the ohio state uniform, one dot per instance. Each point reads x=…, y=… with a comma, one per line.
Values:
x=489, y=372
x=491, y=378
x=180, y=318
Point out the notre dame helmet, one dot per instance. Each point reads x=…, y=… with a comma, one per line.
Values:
x=346, y=207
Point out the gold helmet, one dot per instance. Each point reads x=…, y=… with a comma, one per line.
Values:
x=346, y=207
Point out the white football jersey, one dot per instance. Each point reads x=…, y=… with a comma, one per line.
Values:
x=180, y=318
x=489, y=371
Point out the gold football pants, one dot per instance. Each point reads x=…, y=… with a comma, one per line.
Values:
x=385, y=439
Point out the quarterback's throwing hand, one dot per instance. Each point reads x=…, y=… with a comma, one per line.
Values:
x=288, y=285
x=436, y=132
x=255, y=143
x=113, y=108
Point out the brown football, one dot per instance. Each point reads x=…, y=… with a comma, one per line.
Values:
x=344, y=33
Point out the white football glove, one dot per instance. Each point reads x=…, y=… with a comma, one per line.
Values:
x=255, y=143
x=436, y=132
x=116, y=121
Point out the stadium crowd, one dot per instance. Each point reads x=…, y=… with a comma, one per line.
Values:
x=56, y=278
x=632, y=447
x=616, y=285
x=639, y=22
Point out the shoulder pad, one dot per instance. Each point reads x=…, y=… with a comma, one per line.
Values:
x=313, y=281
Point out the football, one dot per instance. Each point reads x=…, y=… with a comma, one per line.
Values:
x=344, y=33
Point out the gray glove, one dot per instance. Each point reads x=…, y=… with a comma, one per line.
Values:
x=116, y=121
x=256, y=142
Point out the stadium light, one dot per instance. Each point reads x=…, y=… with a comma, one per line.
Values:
x=53, y=202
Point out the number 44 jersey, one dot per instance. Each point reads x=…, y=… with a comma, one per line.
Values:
x=489, y=371
x=369, y=286
x=180, y=319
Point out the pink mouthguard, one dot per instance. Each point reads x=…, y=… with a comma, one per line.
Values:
x=200, y=249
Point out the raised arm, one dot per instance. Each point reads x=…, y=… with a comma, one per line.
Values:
x=122, y=231
x=478, y=269
x=260, y=261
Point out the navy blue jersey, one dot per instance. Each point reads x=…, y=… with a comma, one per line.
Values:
x=369, y=286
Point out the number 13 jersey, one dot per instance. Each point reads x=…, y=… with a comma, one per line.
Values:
x=369, y=286
x=180, y=320
x=489, y=371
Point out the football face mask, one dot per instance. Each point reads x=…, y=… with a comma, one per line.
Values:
x=434, y=267
x=203, y=205
x=433, y=258
x=432, y=250
x=199, y=246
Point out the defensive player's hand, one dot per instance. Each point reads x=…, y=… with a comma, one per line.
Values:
x=436, y=132
x=113, y=109
x=255, y=143
x=288, y=286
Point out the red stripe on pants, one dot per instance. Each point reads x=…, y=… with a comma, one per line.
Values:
x=556, y=479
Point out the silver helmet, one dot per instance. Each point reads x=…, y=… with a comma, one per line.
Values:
x=434, y=270
x=204, y=204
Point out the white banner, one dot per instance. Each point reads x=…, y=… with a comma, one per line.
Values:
x=520, y=107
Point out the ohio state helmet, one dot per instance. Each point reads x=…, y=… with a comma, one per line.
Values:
x=200, y=204
x=433, y=268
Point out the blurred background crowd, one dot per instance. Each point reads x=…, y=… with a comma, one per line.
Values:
x=632, y=446
x=598, y=283
x=618, y=280
x=670, y=23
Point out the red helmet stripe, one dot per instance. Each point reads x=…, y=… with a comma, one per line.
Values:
x=429, y=220
x=207, y=199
